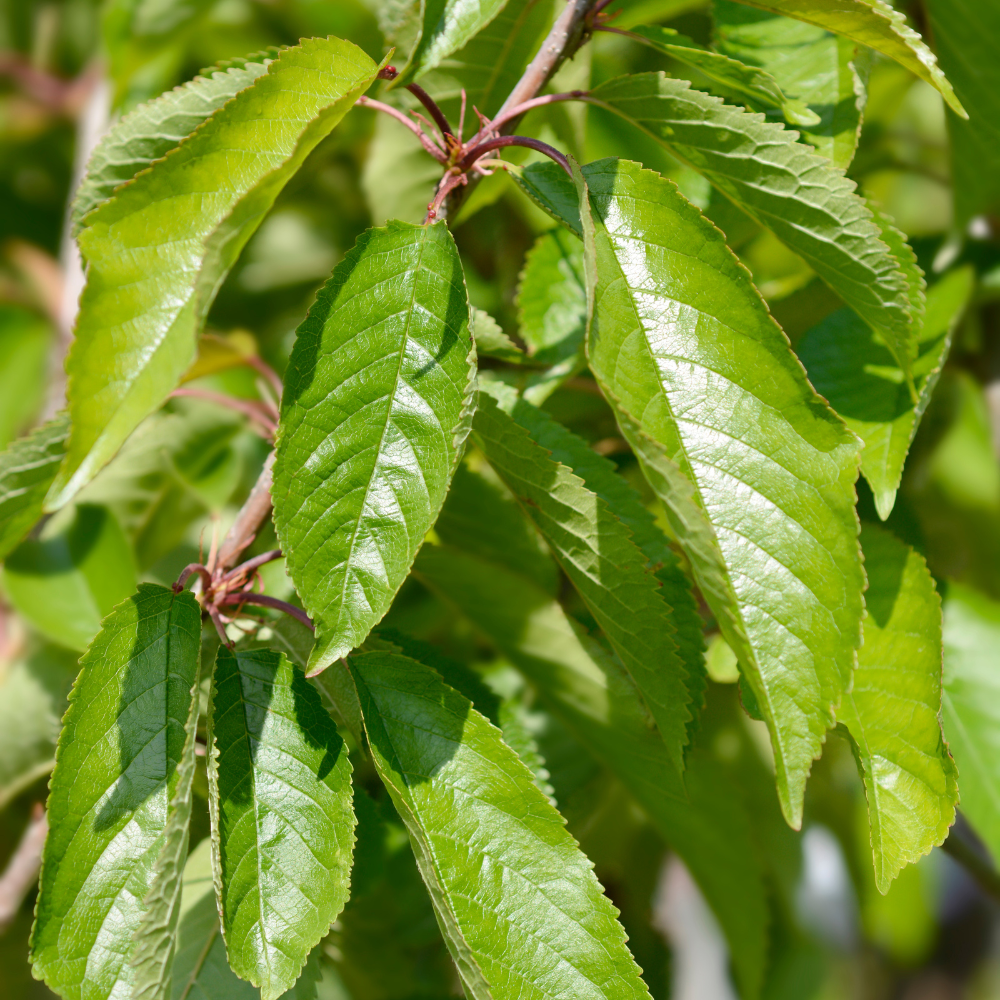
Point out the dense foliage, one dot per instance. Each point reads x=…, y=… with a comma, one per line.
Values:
x=598, y=569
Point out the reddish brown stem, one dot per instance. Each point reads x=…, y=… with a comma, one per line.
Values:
x=251, y=516
x=248, y=407
x=190, y=570
x=431, y=105
x=514, y=140
x=249, y=597
x=536, y=102
x=425, y=141
x=247, y=568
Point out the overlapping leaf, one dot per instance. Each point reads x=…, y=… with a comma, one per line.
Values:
x=597, y=553
x=873, y=23
x=25, y=344
x=808, y=63
x=851, y=367
x=758, y=482
x=114, y=789
x=893, y=712
x=281, y=816
x=801, y=197
x=376, y=408
x=972, y=705
x=590, y=690
x=27, y=469
x=159, y=249
x=516, y=899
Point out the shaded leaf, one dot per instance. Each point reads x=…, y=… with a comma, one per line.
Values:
x=972, y=705
x=375, y=413
x=281, y=816
x=158, y=251
x=851, y=367
x=758, y=487
x=491, y=341
x=24, y=350
x=514, y=896
x=113, y=792
x=893, y=712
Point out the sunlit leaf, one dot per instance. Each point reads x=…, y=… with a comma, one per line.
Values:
x=491, y=341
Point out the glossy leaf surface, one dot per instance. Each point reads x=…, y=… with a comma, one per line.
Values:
x=158, y=251
x=851, y=367
x=972, y=705
x=759, y=487
x=801, y=197
x=375, y=412
x=893, y=712
x=113, y=792
x=516, y=900
x=281, y=816
x=873, y=23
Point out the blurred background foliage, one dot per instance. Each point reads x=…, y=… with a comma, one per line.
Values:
x=67, y=66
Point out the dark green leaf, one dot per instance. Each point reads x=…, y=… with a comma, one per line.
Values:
x=758, y=482
x=158, y=251
x=376, y=409
x=281, y=816
x=114, y=791
x=893, y=712
x=515, y=898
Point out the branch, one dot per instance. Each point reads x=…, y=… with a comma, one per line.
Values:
x=251, y=516
x=22, y=870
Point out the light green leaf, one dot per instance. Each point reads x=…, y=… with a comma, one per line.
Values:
x=152, y=130
x=851, y=367
x=491, y=341
x=158, y=251
x=873, y=23
x=597, y=553
x=965, y=34
x=809, y=63
x=113, y=792
x=24, y=352
x=730, y=77
x=27, y=469
x=893, y=712
x=590, y=690
x=376, y=409
x=516, y=900
x=445, y=26
x=801, y=197
x=972, y=705
x=758, y=486
x=66, y=580
x=281, y=816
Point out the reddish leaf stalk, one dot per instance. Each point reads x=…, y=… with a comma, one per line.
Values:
x=514, y=140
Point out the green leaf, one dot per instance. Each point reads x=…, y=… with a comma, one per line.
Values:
x=875, y=24
x=27, y=469
x=516, y=899
x=114, y=791
x=589, y=689
x=158, y=251
x=282, y=820
x=25, y=340
x=445, y=26
x=972, y=705
x=152, y=130
x=801, y=197
x=965, y=33
x=66, y=581
x=758, y=487
x=597, y=553
x=376, y=409
x=851, y=367
x=729, y=76
x=491, y=341
x=893, y=712
x=809, y=63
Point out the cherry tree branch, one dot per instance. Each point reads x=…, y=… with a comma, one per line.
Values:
x=22, y=870
x=252, y=515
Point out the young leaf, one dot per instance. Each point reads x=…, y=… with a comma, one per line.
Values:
x=158, y=251
x=597, y=699
x=282, y=823
x=27, y=469
x=759, y=487
x=376, y=409
x=516, y=900
x=152, y=130
x=114, y=792
x=875, y=24
x=893, y=712
x=597, y=553
x=851, y=367
x=801, y=197
x=808, y=63
x=972, y=705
